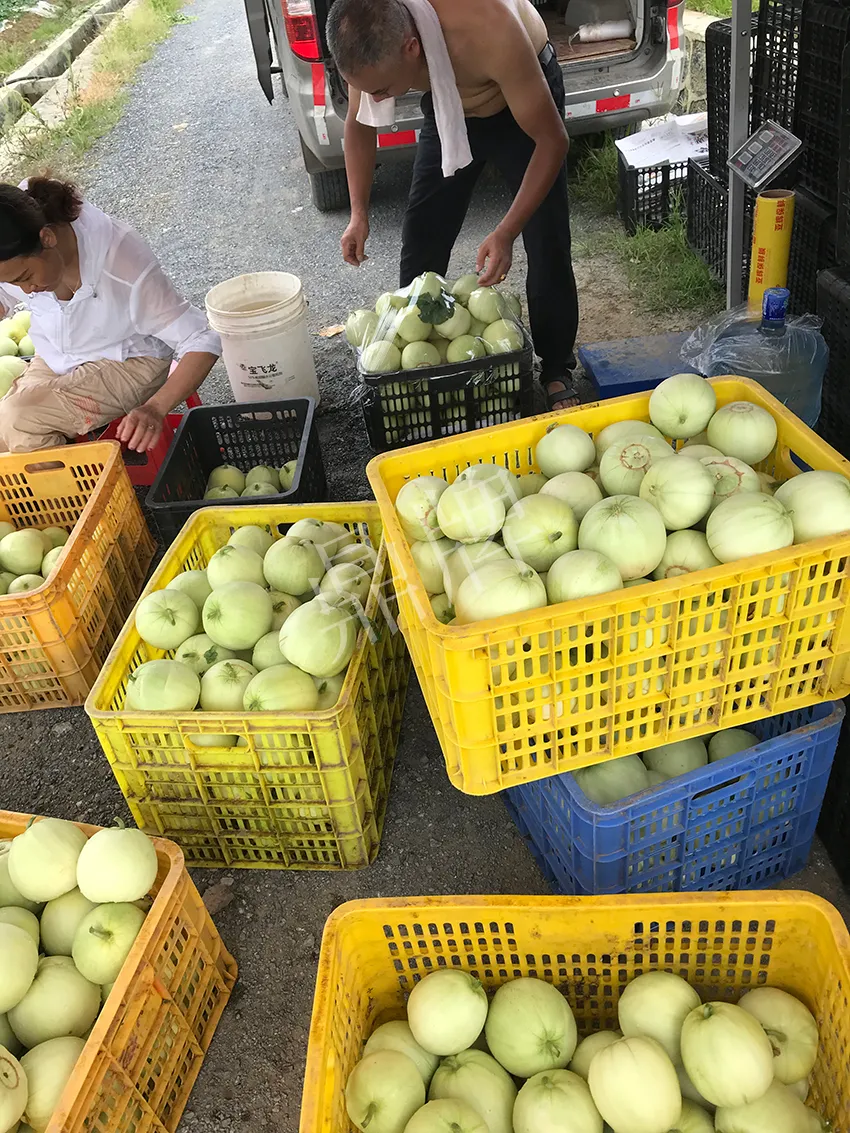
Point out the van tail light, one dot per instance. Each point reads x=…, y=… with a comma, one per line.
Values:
x=675, y=24
x=302, y=29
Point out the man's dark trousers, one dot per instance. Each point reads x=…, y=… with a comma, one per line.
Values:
x=437, y=207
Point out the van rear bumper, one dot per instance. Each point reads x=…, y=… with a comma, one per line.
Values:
x=586, y=111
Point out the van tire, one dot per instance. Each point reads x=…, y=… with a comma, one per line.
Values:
x=329, y=190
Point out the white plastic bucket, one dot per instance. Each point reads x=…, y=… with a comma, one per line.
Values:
x=262, y=320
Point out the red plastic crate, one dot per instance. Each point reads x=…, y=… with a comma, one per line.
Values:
x=142, y=467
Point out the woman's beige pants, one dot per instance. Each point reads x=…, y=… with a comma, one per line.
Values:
x=43, y=409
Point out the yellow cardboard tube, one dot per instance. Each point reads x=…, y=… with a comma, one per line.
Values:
x=772, y=226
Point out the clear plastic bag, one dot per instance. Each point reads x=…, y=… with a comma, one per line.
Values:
x=789, y=362
x=415, y=328
x=728, y=341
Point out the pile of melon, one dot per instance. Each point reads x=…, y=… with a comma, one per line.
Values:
x=433, y=322
x=28, y=556
x=15, y=345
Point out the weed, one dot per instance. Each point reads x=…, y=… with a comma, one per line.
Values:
x=594, y=182
x=10, y=8
x=721, y=8
x=130, y=42
x=664, y=273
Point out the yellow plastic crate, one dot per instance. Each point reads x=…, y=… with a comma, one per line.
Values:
x=143, y=1054
x=310, y=789
x=521, y=697
x=54, y=640
x=373, y=952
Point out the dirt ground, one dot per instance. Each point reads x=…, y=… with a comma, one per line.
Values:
x=609, y=308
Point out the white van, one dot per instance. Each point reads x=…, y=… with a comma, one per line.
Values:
x=609, y=83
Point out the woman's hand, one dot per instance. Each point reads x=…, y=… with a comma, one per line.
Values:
x=141, y=428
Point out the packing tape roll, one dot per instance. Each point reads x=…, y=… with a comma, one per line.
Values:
x=772, y=225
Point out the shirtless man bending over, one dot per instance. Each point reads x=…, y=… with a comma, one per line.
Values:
x=512, y=92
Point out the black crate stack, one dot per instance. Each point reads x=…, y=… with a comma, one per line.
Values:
x=718, y=56
x=708, y=180
x=776, y=61
x=795, y=81
x=707, y=218
x=824, y=36
x=833, y=286
x=822, y=121
x=812, y=248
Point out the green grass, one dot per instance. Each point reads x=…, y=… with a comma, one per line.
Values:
x=720, y=8
x=128, y=42
x=10, y=8
x=594, y=181
x=664, y=273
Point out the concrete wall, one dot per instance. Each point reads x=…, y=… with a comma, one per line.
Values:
x=692, y=97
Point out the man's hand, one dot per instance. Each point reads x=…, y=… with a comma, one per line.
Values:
x=495, y=257
x=141, y=428
x=353, y=242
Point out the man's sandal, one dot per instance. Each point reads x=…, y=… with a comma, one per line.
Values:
x=567, y=392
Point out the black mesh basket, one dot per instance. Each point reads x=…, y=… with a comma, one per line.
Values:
x=812, y=248
x=777, y=58
x=842, y=236
x=647, y=197
x=834, y=820
x=824, y=37
x=718, y=60
x=410, y=406
x=251, y=433
x=834, y=309
x=707, y=217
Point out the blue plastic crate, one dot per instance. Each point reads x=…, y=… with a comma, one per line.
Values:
x=632, y=365
x=743, y=823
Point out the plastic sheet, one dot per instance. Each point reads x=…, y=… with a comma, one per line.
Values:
x=789, y=364
x=720, y=341
x=415, y=314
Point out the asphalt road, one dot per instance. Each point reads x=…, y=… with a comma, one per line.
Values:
x=212, y=176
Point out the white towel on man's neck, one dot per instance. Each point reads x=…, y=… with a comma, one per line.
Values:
x=448, y=109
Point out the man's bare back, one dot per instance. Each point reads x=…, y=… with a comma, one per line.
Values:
x=471, y=28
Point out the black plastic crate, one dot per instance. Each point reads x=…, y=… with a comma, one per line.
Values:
x=718, y=61
x=825, y=32
x=777, y=58
x=707, y=217
x=834, y=309
x=647, y=197
x=411, y=406
x=834, y=820
x=824, y=37
x=812, y=249
x=247, y=434
x=842, y=235
x=707, y=204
